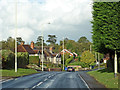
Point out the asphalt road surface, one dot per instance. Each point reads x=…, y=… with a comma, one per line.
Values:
x=48, y=80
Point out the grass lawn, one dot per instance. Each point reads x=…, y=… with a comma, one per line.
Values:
x=21, y=72
x=106, y=78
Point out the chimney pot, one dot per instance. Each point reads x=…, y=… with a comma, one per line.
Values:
x=32, y=45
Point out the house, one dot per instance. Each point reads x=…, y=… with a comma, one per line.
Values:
x=67, y=51
x=47, y=51
x=48, y=55
x=25, y=48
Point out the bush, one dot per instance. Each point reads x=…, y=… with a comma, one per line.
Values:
x=8, y=59
x=87, y=58
x=82, y=64
x=68, y=61
x=23, y=59
x=34, y=60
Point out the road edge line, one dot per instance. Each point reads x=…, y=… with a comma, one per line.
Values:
x=84, y=81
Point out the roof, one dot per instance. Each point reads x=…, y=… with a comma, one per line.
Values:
x=25, y=48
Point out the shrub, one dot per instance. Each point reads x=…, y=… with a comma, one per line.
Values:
x=68, y=61
x=8, y=59
x=87, y=58
x=82, y=64
x=23, y=59
x=34, y=60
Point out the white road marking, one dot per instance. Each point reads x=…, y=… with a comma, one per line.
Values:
x=37, y=85
x=49, y=77
x=6, y=80
x=46, y=79
x=84, y=81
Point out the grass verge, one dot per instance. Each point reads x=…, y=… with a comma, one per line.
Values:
x=21, y=72
x=105, y=77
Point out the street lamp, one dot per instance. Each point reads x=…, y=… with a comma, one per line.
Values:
x=42, y=45
x=63, y=53
x=39, y=58
x=16, y=37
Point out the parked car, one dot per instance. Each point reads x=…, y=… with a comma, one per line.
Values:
x=70, y=69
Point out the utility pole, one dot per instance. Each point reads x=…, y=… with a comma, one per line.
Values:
x=98, y=61
x=16, y=37
x=63, y=53
x=42, y=46
x=115, y=64
x=96, y=57
x=42, y=50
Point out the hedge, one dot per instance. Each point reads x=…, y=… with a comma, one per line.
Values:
x=34, y=60
x=82, y=64
x=8, y=59
x=23, y=59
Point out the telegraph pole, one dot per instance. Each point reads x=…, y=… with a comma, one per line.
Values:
x=115, y=64
x=98, y=60
x=42, y=51
x=16, y=37
x=63, y=53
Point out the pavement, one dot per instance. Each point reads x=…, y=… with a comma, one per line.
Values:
x=53, y=80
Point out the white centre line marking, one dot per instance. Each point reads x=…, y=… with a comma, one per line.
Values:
x=46, y=79
x=37, y=85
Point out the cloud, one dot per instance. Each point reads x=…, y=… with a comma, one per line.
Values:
x=33, y=16
x=25, y=33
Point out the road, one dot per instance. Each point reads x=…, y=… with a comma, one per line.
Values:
x=48, y=80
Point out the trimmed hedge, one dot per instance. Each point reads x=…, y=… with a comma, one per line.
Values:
x=34, y=60
x=82, y=64
x=23, y=59
x=8, y=59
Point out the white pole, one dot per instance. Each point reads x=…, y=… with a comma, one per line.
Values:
x=98, y=61
x=96, y=57
x=42, y=50
x=16, y=38
x=63, y=53
x=115, y=64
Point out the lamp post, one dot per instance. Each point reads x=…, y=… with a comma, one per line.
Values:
x=16, y=37
x=42, y=46
x=63, y=53
x=39, y=58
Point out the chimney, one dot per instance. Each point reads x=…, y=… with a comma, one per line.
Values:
x=50, y=49
x=32, y=45
x=22, y=43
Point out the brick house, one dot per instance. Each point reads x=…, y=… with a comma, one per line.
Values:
x=47, y=51
x=25, y=48
x=67, y=51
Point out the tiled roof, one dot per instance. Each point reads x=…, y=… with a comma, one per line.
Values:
x=25, y=48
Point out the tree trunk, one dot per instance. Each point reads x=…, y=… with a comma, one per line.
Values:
x=115, y=64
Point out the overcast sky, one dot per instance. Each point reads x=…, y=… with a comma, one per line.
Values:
x=68, y=18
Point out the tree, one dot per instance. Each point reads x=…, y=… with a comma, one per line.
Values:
x=106, y=27
x=39, y=41
x=19, y=40
x=83, y=40
x=11, y=43
x=87, y=58
x=52, y=39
